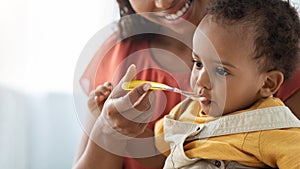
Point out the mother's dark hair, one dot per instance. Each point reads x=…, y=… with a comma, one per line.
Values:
x=132, y=23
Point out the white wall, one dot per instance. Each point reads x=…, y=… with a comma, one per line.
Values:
x=40, y=42
x=37, y=131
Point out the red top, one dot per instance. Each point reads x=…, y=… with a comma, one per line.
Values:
x=289, y=87
x=110, y=64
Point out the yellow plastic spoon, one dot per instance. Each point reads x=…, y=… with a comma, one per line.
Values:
x=158, y=86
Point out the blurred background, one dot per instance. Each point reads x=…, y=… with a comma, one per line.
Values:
x=40, y=42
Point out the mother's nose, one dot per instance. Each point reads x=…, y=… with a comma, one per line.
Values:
x=163, y=4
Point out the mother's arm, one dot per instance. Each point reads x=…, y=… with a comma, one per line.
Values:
x=289, y=92
x=95, y=104
x=124, y=116
x=293, y=102
x=96, y=157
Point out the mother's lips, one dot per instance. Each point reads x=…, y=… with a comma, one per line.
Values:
x=177, y=14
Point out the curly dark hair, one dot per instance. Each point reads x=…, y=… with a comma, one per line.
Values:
x=132, y=23
x=276, y=28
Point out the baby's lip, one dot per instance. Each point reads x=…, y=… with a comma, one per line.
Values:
x=202, y=98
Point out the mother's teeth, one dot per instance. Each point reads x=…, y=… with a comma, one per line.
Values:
x=179, y=13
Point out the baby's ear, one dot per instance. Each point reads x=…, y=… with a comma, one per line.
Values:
x=272, y=82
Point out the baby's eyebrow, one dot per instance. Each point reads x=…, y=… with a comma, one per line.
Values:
x=217, y=61
x=226, y=64
x=194, y=54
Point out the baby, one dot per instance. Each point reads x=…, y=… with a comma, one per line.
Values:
x=243, y=50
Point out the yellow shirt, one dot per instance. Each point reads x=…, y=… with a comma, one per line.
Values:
x=274, y=148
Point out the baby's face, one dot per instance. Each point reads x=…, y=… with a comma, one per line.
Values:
x=224, y=72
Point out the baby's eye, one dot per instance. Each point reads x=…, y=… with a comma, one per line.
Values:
x=198, y=64
x=221, y=71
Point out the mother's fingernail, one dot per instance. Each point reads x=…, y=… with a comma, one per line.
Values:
x=146, y=87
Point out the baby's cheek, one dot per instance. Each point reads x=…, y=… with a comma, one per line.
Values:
x=193, y=80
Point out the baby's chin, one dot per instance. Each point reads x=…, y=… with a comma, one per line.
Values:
x=211, y=109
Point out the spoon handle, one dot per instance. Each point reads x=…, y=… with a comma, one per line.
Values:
x=157, y=86
x=154, y=85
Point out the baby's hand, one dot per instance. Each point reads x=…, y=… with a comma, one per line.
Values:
x=97, y=98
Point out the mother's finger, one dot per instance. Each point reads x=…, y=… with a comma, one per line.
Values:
x=130, y=74
x=133, y=97
x=146, y=106
x=144, y=102
x=103, y=91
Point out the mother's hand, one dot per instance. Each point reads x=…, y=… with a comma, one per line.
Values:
x=128, y=112
x=124, y=115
